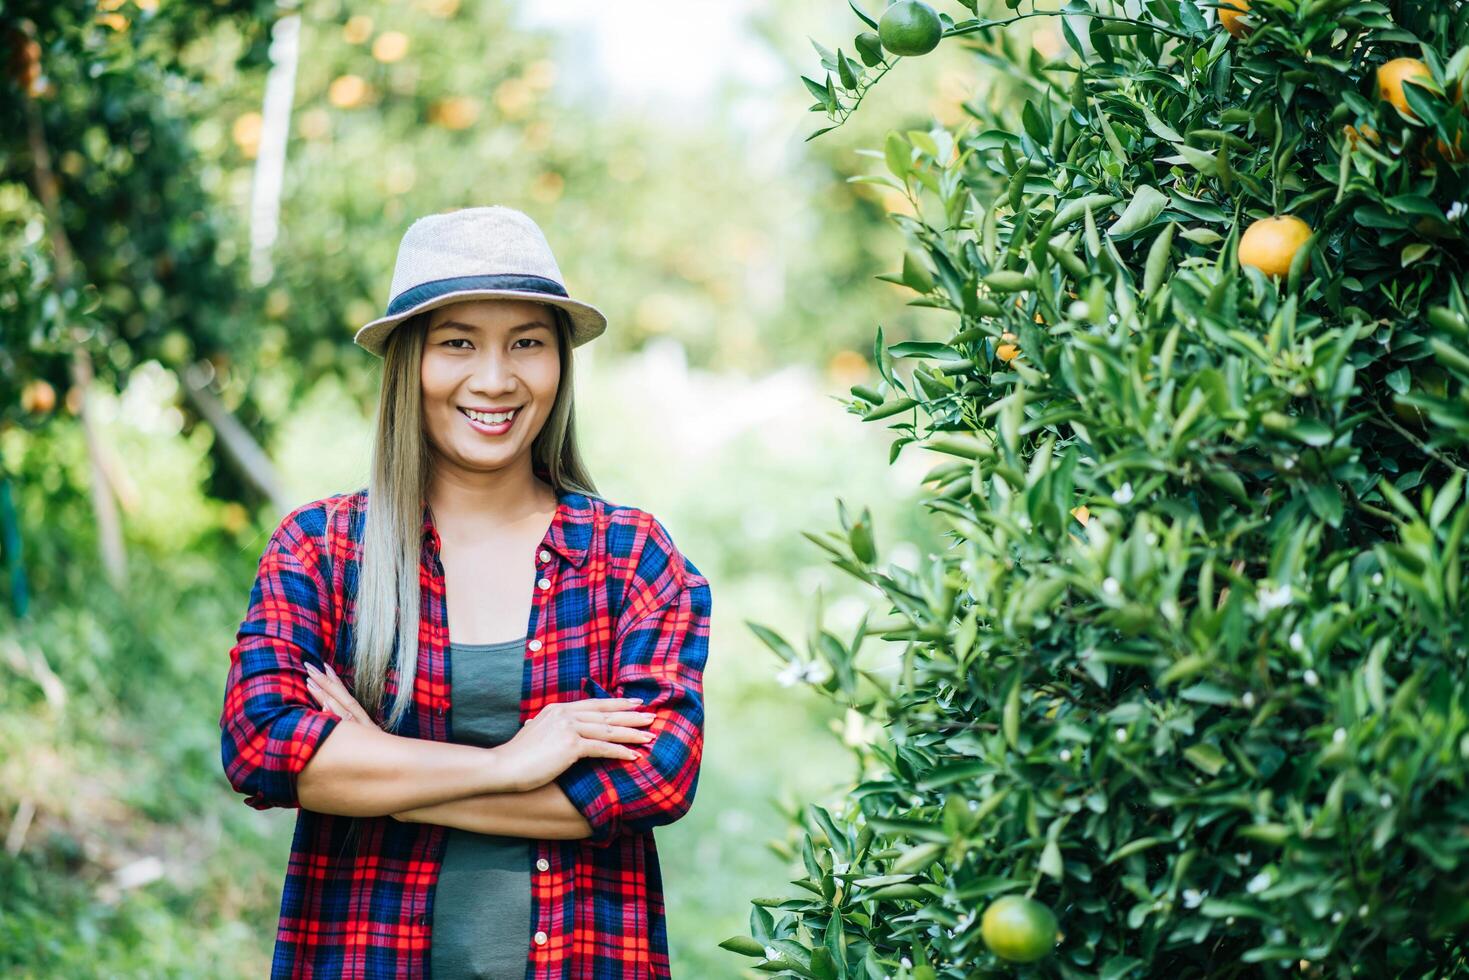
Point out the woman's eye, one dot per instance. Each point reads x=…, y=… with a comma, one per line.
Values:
x=531, y=339
x=453, y=339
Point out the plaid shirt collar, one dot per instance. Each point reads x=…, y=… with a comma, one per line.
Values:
x=570, y=533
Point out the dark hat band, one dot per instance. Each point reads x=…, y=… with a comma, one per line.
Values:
x=426, y=291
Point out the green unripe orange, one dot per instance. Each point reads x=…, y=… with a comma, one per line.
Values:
x=1018, y=929
x=910, y=27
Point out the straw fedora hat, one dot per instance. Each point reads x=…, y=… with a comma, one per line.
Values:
x=476, y=253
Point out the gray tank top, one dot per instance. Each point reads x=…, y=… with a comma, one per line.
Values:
x=481, y=923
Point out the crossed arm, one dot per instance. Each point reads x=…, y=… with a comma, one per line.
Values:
x=272, y=727
x=544, y=812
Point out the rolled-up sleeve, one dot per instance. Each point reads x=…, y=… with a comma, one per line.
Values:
x=661, y=648
x=270, y=727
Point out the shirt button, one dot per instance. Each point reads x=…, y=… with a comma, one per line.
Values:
x=540, y=938
x=423, y=918
x=534, y=644
x=545, y=555
x=544, y=583
x=543, y=865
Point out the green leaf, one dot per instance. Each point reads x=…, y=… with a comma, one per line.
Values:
x=1010, y=718
x=1146, y=204
x=743, y=945
x=1206, y=757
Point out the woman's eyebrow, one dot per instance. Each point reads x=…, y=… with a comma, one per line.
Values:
x=529, y=325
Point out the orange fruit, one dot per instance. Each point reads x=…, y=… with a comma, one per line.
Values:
x=38, y=396
x=1271, y=243
x=1392, y=75
x=910, y=27
x=1453, y=154
x=1007, y=352
x=1355, y=135
x=1232, y=17
x=1018, y=929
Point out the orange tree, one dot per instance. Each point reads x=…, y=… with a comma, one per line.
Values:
x=1192, y=676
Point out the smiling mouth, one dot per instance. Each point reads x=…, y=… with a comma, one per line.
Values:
x=491, y=418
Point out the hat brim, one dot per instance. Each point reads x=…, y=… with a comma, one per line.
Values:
x=587, y=322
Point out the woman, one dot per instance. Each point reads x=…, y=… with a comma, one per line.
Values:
x=492, y=814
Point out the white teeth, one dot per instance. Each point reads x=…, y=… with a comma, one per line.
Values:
x=490, y=418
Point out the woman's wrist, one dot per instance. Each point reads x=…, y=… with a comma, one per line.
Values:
x=506, y=775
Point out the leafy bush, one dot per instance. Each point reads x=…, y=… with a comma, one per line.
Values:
x=1192, y=674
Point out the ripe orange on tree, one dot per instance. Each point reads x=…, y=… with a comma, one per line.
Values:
x=1018, y=929
x=1007, y=352
x=1355, y=135
x=910, y=27
x=1271, y=243
x=38, y=397
x=1453, y=154
x=1232, y=17
x=1392, y=75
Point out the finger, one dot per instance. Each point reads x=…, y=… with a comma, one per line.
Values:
x=612, y=733
x=620, y=718
x=322, y=698
x=328, y=682
x=608, y=750
x=611, y=704
x=342, y=698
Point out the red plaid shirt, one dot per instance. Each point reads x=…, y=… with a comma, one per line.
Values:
x=617, y=612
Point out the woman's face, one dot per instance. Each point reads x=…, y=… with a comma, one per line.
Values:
x=488, y=356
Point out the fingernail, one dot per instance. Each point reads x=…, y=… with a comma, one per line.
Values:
x=311, y=668
x=330, y=669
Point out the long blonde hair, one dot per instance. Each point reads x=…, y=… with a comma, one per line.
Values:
x=402, y=464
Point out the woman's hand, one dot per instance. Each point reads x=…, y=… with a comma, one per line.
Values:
x=333, y=696
x=566, y=731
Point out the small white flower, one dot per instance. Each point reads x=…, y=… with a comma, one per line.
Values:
x=1247, y=699
x=1274, y=598
x=1121, y=734
x=1242, y=857
x=1311, y=677
x=1297, y=641
x=791, y=673
x=907, y=963
x=1457, y=210
x=1385, y=800
x=1193, y=898
x=1151, y=537
x=1339, y=736
x=1122, y=494
x=974, y=804
x=1337, y=916
x=1258, y=883
x=1024, y=522
x=1111, y=586
x=1065, y=755
x=1229, y=921
x=1289, y=463
x=1168, y=608
x=1362, y=911
x=771, y=953
x=1376, y=578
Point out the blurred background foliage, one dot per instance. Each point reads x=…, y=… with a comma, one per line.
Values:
x=176, y=368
